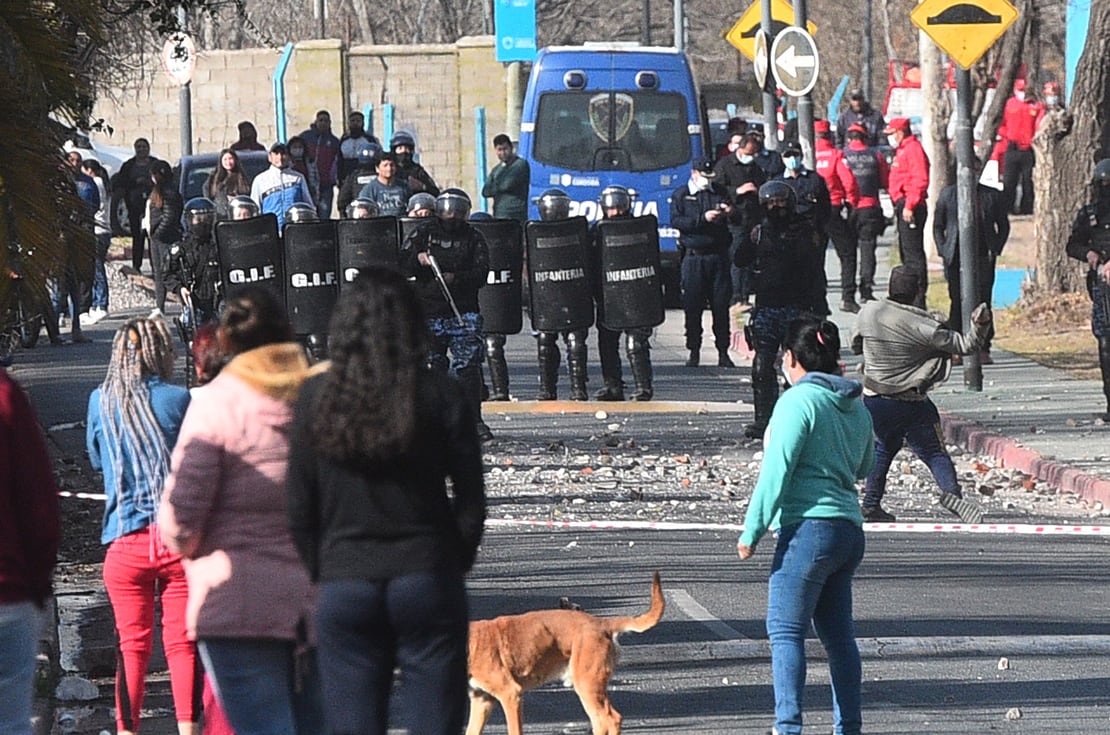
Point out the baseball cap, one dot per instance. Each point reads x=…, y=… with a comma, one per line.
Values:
x=820, y=126
x=793, y=148
x=856, y=94
x=755, y=127
x=279, y=148
x=898, y=123
x=857, y=128
x=704, y=166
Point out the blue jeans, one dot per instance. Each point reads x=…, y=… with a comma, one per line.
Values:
x=324, y=200
x=811, y=580
x=20, y=624
x=916, y=423
x=100, y=275
x=367, y=627
x=262, y=686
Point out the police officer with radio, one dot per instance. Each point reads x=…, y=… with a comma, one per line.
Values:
x=192, y=268
x=616, y=203
x=1090, y=242
x=553, y=206
x=813, y=205
x=700, y=212
x=781, y=252
x=448, y=260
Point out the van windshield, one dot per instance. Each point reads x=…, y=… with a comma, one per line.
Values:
x=611, y=131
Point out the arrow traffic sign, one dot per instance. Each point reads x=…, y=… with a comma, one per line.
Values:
x=964, y=30
x=742, y=35
x=794, y=61
x=761, y=62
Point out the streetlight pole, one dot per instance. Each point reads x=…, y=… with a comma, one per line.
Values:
x=867, y=53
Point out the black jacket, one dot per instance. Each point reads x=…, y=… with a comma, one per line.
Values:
x=389, y=519
x=785, y=263
x=1091, y=230
x=463, y=253
x=992, y=223
x=165, y=222
x=194, y=263
x=731, y=175
x=352, y=185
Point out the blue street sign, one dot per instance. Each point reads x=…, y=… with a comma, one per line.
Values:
x=515, y=24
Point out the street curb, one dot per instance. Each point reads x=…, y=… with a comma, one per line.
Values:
x=1010, y=453
x=613, y=407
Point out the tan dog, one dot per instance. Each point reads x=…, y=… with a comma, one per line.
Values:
x=514, y=653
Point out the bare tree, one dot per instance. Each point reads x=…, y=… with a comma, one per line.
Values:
x=1067, y=147
x=1010, y=55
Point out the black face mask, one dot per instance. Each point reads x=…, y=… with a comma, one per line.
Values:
x=403, y=159
x=778, y=214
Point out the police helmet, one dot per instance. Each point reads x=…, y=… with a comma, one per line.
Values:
x=242, y=207
x=480, y=216
x=402, y=138
x=553, y=204
x=301, y=212
x=616, y=197
x=421, y=200
x=200, y=213
x=452, y=206
x=780, y=194
x=362, y=208
x=1102, y=171
x=368, y=154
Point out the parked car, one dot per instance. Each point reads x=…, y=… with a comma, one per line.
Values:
x=193, y=171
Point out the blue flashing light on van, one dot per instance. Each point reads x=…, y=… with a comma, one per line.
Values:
x=613, y=114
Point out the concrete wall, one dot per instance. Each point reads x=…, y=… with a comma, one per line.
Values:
x=434, y=90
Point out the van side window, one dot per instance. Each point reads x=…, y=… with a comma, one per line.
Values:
x=633, y=131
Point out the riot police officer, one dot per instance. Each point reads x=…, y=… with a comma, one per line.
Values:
x=1090, y=242
x=301, y=212
x=243, y=207
x=813, y=204
x=409, y=171
x=448, y=260
x=495, y=347
x=192, y=268
x=616, y=203
x=361, y=209
x=363, y=174
x=780, y=250
x=554, y=205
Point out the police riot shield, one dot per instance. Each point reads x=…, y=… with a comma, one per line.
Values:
x=499, y=301
x=364, y=243
x=311, y=280
x=250, y=255
x=409, y=225
x=559, y=274
x=630, y=273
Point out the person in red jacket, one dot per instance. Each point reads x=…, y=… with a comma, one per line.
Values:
x=29, y=534
x=1019, y=121
x=908, y=187
x=844, y=197
x=871, y=172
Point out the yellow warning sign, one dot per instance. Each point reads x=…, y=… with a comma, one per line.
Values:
x=964, y=30
x=743, y=32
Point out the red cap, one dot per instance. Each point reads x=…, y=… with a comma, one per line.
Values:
x=820, y=126
x=1019, y=85
x=857, y=128
x=898, y=123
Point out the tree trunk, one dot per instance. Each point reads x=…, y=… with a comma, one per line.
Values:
x=1067, y=146
x=934, y=120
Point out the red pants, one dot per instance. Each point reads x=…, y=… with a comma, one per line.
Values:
x=133, y=578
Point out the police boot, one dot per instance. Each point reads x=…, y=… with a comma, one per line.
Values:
x=549, y=367
x=576, y=366
x=498, y=369
x=471, y=379
x=613, y=390
x=765, y=391
x=1104, y=363
x=639, y=359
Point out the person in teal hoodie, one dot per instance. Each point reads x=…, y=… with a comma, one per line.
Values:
x=818, y=443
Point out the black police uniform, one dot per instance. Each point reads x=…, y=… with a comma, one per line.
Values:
x=704, y=246
x=637, y=344
x=194, y=263
x=815, y=208
x=352, y=185
x=1091, y=232
x=731, y=175
x=783, y=258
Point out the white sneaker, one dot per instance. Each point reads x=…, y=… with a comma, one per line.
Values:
x=92, y=316
x=156, y=313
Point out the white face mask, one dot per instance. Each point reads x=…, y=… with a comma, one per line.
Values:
x=702, y=183
x=892, y=140
x=1020, y=95
x=1051, y=100
x=746, y=158
x=786, y=372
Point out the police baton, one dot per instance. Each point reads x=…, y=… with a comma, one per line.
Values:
x=443, y=286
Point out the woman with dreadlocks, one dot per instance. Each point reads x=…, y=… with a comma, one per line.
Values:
x=133, y=422
x=250, y=599
x=374, y=440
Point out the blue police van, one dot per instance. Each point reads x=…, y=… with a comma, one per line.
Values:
x=614, y=113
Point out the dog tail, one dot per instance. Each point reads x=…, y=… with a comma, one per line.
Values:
x=646, y=620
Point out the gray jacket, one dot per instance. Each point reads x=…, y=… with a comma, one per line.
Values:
x=906, y=350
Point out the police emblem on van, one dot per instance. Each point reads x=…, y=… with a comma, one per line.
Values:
x=606, y=108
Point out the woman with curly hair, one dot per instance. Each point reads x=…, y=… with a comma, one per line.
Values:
x=250, y=598
x=226, y=182
x=374, y=440
x=133, y=422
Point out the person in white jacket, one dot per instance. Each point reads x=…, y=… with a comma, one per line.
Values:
x=279, y=187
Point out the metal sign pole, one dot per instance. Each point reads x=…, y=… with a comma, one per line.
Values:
x=771, y=123
x=805, y=102
x=185, y=98
x=968, y=205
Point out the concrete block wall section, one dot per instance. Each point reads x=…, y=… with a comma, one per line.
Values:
x=434, y=89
